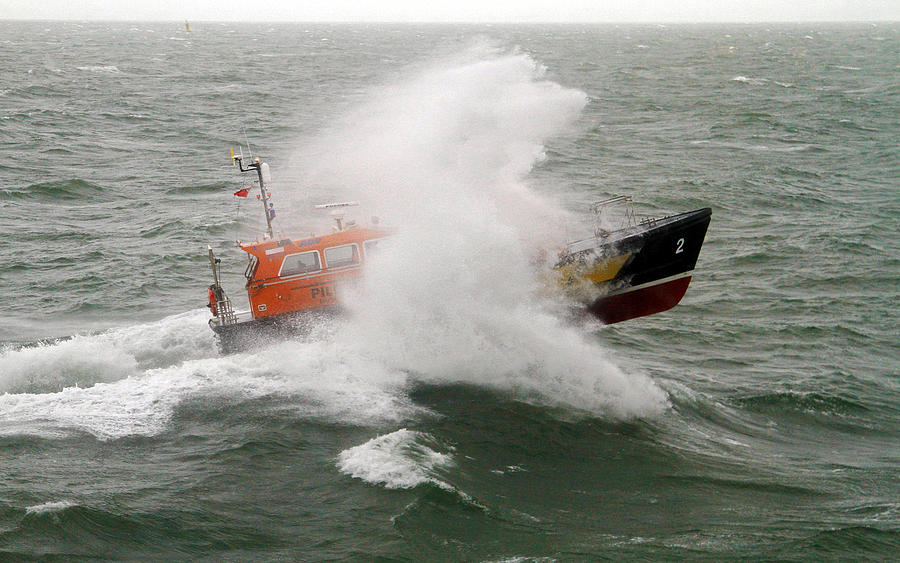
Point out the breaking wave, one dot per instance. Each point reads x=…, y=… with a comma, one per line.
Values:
x=49, y=507
x=400, y=460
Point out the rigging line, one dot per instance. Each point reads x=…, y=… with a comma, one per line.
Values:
x=247, y=138
x=237, y=215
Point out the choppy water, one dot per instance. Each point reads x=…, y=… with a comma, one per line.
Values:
x=456, y=416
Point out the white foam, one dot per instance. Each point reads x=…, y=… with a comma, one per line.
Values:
x=47, y=367
x=118, y=353
x=130, y=380
x=754, y=81
x=49, y=507
x=103, y=69
x=400, y=460
x=317, y=380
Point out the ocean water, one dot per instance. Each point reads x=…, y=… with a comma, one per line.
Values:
x=456, y=414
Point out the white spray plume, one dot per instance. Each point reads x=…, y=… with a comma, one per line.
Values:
x=453, y=298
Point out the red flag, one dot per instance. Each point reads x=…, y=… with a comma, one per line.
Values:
x=243, y=192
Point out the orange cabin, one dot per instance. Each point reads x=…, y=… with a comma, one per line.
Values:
x=296, y=275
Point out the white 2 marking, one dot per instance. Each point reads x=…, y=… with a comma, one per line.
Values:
x=680, y=247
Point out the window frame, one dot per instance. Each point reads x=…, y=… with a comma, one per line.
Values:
x=366, y=243
x=286, y=256
x=348, y=265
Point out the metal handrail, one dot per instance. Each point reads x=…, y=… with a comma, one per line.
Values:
x=599, y=208
x=225, y=312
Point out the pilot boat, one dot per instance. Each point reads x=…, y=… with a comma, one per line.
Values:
x=631, y=267
x=290, y=281
x=628, y=268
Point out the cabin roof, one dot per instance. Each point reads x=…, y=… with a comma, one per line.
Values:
x=282, y=246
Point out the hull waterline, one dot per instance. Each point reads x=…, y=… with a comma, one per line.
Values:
x=657, y=262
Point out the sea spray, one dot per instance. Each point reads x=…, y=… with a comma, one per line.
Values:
x=53, y=366
x=453, y=297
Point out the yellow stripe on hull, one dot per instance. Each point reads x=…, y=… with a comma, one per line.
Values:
x=601, y=271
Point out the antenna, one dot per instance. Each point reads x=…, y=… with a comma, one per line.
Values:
x=338, y=204
x=246, y=138
x=337, y=214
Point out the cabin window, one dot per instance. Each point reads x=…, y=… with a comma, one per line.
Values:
x=374, y=246
x=340, y=256
x=251, y=267
x=301, y=263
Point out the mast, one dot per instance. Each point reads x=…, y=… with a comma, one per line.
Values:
x=214, y=264
x=262, y=171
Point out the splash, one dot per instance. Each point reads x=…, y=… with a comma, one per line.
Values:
x=453, y=142
x=445, y=156
x=400, y=460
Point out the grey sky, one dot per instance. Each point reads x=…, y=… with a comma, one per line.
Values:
x=458, y=10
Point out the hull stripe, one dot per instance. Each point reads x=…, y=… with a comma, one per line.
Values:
x=648, y=284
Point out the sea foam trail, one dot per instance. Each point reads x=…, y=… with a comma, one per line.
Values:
x=453, y=298
x=130, y=381
x=86, y=359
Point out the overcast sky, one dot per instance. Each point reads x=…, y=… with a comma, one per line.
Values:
x=457, y=10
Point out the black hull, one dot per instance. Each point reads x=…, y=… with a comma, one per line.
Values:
x=662, y=256
x=659, y=252
x=255, y=333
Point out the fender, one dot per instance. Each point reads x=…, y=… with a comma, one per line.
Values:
x=211, y=302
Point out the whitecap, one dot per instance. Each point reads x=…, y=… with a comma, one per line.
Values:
x=400, y=460
x=100, y=68
x=754, y=81
x=49, y=507
x=86, y=359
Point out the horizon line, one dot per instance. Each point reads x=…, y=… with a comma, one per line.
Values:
x=459, y=22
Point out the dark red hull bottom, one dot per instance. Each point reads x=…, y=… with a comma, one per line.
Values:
x=640, y=301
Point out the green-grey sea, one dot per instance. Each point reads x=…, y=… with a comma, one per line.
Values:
x=458, y=411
